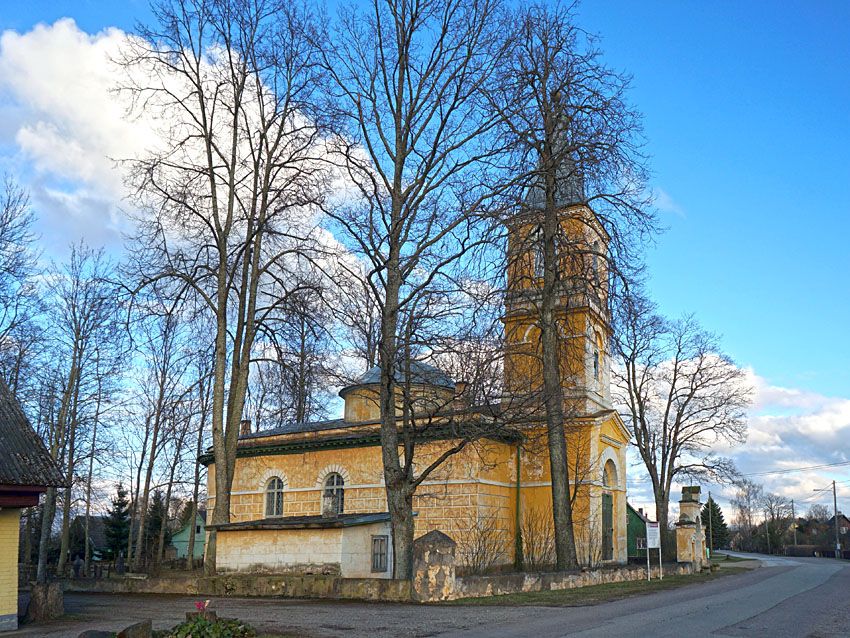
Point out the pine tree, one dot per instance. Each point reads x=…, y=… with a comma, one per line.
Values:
x=153, y=521
x=117, y=523
x=716, y=533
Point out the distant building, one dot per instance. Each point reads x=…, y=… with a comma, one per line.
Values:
x=180, y=539
x=636, y=532
x=26, y=470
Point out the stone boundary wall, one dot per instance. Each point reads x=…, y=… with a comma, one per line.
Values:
x=281, y=586
x=480, y=586
x=334, y=587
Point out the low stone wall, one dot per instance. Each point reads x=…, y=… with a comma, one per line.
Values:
x=282, y=585
x=479, y=586
x=332, y=587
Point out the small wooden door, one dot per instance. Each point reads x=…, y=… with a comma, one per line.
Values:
x=607, y=527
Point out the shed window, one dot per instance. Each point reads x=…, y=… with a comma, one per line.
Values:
x=197, y=529
x=380, y=553
x=274, y=497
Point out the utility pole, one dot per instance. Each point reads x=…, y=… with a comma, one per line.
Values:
x=835, y=518
x=767, y=530
x=794, y=521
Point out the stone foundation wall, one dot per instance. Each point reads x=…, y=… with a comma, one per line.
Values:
x=480, y=586
x=283, y=586
x=331, y=587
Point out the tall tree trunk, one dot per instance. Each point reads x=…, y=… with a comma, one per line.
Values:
x=190, y=548
x=399, y=491
x=565, y=546
x=160, y=545
x=27, y=546
x=662, y=502
x=177, y=449
x=89, y=481
x=68, y=425
x=221, y=509
x=44, y=538
x=145, y=495
x=88, y=500
x=134, y=501
x=49, y=510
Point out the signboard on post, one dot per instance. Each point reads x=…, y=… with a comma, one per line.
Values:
x=653, y=535
x=653, y=541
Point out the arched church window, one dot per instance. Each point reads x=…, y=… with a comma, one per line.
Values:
x=609, y=474
x=334, y=494
x=274, y=497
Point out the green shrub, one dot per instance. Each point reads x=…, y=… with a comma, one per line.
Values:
x=200, y=627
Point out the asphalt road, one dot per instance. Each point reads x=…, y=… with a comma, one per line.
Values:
x=787, y=598
x=798, y=597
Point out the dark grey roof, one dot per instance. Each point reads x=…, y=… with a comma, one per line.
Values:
x=306, y=522
x=420, y=373
x=297, y=428
x=23, y=458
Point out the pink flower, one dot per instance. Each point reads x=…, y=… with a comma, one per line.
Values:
x=202, y=606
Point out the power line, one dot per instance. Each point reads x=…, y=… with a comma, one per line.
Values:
x=799, y=469
x=816, y=493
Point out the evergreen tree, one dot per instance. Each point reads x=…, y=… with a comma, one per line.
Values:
x=117, y=523
x=716, y=532
x=153, y=521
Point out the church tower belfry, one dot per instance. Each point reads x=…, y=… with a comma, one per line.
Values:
x=581, y=307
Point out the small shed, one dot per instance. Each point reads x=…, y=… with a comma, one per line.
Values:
x=26, y=470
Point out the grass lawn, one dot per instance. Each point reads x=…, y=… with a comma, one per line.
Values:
x=596, y=594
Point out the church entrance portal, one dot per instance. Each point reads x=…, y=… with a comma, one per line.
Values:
x=607, y=527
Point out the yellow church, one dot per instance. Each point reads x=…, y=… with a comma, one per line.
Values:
x=310, y=497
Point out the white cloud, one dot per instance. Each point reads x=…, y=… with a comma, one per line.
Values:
x=789, y=428
x=664, y=202
x=67, y=126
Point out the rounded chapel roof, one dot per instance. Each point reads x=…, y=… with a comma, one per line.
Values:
x=421, y=373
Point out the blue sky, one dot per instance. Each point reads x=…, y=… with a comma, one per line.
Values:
x=747, y=120
x=748, y=125
x=746, y=107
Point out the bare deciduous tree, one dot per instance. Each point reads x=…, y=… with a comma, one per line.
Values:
x=21, y=337
x=680, y=396
x=232, y=191
x=83, y=326
x=406, y=81
x=746, y=502
x=577, y=142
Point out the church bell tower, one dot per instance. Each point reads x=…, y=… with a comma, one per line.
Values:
x=581, y=307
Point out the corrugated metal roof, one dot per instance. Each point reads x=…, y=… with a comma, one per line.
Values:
x=297, y=428
x=23, y=458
